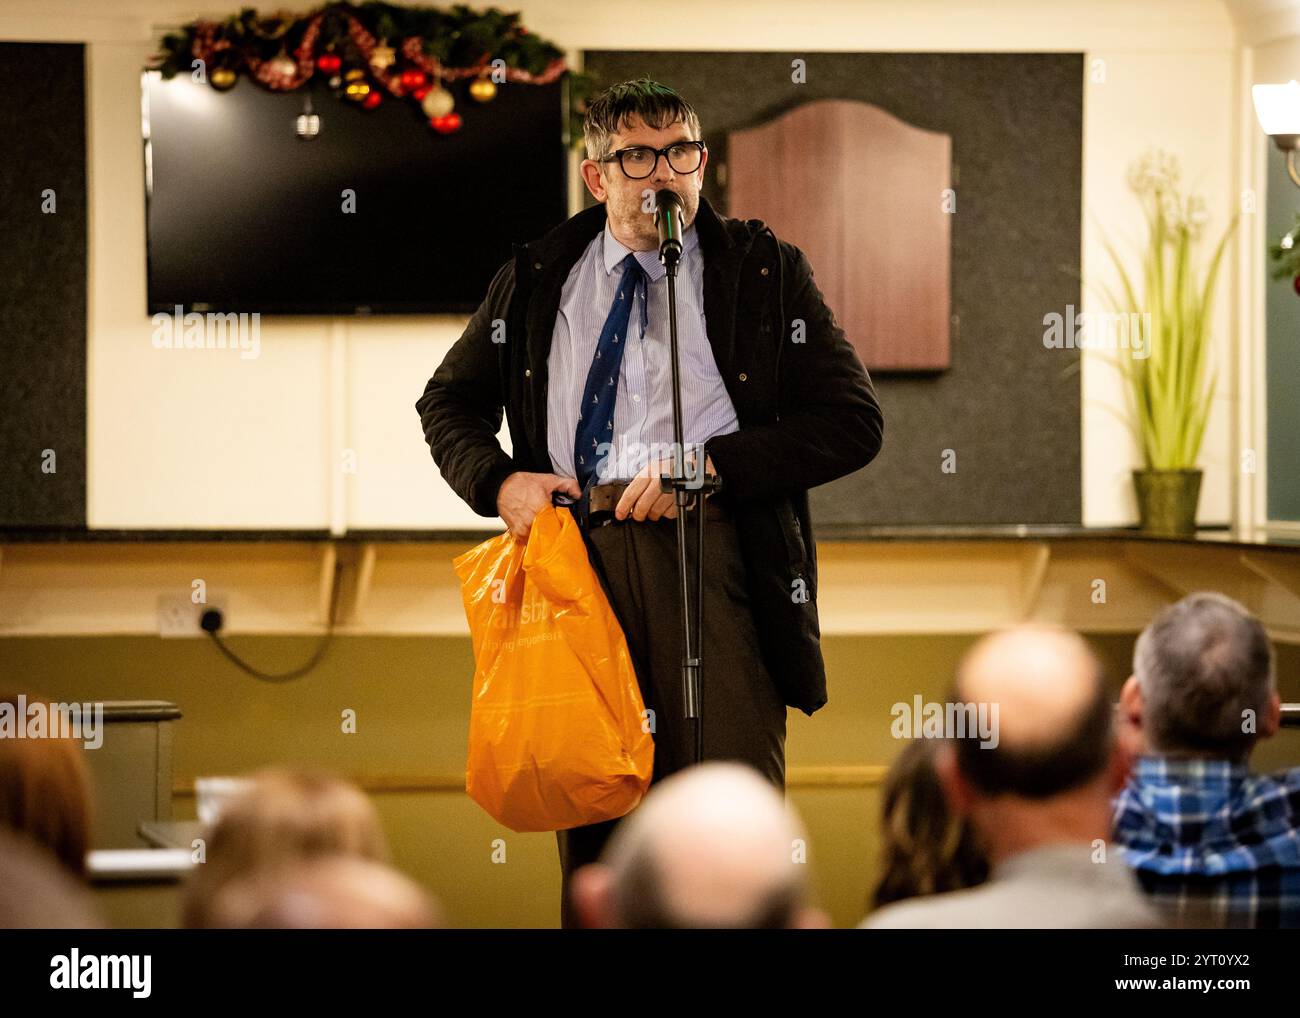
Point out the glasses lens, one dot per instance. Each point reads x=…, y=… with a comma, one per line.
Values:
x=638, y=162
x=684, y=158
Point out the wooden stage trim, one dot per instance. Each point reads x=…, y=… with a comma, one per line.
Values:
x=836, y=776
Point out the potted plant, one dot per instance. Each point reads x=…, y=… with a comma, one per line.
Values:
x=1168, y=381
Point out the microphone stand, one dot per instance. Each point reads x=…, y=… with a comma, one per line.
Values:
x=681, y=483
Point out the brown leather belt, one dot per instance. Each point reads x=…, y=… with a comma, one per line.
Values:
x=604, y=497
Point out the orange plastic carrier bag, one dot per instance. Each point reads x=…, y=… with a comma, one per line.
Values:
x=556, y=729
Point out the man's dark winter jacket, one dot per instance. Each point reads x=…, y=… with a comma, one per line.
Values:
x=806, y=408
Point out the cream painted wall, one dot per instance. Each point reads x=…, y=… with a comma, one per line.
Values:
x=204, y=439
x=1184, y=103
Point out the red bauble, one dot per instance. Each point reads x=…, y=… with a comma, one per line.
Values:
x=329, y=63
x=420, y=92
x=446, y=123
x=411, y=79
x=372, y=99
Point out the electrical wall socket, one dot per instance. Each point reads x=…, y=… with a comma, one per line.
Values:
x=178, y=616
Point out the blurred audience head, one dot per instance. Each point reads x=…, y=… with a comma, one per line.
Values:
x=45, y=792
x=331, y=893
x=712, y=846
x=37, y=893
x=927, y=848
x=1203, y=682
x=281, y=820
x=1049, y=775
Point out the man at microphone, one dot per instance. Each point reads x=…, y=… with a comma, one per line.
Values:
x=572, y=341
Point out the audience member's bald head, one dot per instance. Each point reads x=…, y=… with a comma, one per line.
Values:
x=712, y=846
x=1055, y=719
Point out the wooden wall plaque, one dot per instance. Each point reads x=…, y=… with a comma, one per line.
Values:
x=864, y=195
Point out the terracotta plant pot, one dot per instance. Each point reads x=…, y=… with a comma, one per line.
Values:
x=1167, y=501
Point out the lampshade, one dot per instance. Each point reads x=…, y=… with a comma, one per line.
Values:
x=1278, y=107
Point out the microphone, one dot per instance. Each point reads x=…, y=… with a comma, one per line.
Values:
x=668, y=218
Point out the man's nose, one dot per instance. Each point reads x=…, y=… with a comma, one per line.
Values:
x=663, y=171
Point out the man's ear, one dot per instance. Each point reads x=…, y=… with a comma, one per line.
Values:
x=1128, y=719
x=1272, y=719
x=590, y=170
x=589, y=891
x=1130, y=701
x=956, y=789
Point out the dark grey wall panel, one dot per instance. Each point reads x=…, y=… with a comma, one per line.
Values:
x=1282, y=327
x=42, y=285
x=1009, y=407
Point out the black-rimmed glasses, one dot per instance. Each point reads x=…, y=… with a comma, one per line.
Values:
x=639, y=161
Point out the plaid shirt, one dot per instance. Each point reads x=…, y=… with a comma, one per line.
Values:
x=1211, y=840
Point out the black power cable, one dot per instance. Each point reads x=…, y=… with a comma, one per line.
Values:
x=211, y=623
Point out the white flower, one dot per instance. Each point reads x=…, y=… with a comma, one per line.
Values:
x=1155, y=171
x=1197, y=214
x=1171, y=211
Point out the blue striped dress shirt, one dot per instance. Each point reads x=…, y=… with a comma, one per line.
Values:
x=643, y=411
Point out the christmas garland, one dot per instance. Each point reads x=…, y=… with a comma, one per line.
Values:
x=370, y=50
x=1286, y=253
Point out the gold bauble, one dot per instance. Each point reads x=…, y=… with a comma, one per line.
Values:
x=356, y=74
x=382, y=58
x=438, y=102
x=223, y=78
x=357, y=90
x=483, y=89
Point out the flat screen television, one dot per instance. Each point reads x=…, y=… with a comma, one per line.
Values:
x=243, y=215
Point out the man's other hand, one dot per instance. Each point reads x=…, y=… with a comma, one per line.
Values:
x=643, y=499
x=523, y=495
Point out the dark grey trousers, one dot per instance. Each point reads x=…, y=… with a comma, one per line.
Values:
x=743, y=713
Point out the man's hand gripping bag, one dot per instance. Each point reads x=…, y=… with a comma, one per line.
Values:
x=556, y=732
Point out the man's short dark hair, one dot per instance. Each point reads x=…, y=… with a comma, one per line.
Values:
x=656, y=105
x=1075, y=757
x=1202, y=664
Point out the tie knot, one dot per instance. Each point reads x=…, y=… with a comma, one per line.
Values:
x=632, y=268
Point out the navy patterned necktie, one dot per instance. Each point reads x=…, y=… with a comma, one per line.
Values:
x=596, y=416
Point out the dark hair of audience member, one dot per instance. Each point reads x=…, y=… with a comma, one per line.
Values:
x=45, y=793
x=927, y=849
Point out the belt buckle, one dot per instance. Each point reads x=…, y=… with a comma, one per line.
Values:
x=616, y=489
